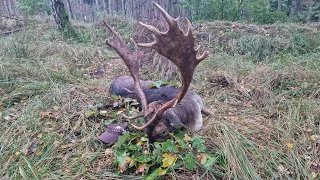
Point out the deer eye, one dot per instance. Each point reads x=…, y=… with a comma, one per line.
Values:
x=163, y=133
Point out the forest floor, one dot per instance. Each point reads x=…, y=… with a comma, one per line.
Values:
x=261, y=83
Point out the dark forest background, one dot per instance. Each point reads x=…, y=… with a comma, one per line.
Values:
x=252, y=11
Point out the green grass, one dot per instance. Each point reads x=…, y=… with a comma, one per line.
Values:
x=263, y=101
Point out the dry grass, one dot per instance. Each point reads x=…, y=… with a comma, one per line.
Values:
x=265, y=112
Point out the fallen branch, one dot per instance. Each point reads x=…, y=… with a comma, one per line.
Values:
x=12, y=31
x=8, y=17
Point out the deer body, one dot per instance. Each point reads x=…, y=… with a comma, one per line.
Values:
x=167, y=107
x=186, y=114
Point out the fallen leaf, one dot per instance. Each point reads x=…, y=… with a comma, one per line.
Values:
x=308, y=130
x=313, y=137
x=38, y=152
x=39, y=135
x=96, y=125
x=141, y=168
x=168, y=160
x=108, y=152
x=56, y=108
x=202, y=158
x=67, y=146
x=49, y=115
x=187, y=138
x=290, y=145
x=127, y=164
x=314, y=175
x=56, y=144
x=139, y=143
x=17, y=153
x=103, y=112
x=162, y=171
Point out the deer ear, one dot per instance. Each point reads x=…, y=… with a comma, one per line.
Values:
x=172, y=118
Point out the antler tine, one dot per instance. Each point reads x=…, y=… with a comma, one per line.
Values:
x=132, y=61
x=179, y=48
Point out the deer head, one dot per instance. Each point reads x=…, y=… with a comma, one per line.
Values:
x=176, y=45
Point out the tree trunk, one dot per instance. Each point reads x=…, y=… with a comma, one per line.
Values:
x=61, y=18
x=70, y=9
x=9, y=7
x=110, y=6
x=13, y=3
x=123, y=6
x=295, y=8
x=5, y=3
x=279, y=5
x=97, y=6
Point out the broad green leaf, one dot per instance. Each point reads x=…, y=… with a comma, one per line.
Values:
x=198, y=144
x=143, y=158
x=156, y=84
x=121, y=157
x=144, y=139
x=168, y=160
x=169, y=146
x=153, y=175
x=156, y=173
x=114, y=97
x=190, y=162
x=122, y=139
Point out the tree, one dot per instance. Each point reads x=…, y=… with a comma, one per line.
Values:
x=279, y=5
x=61, y=18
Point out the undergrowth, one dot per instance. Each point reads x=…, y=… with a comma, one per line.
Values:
x=263, y=90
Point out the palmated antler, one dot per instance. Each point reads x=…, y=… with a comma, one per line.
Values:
x=175, y=45
x=179, y=48
x=132, y=61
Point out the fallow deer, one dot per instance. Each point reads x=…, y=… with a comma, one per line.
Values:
x=180, y=107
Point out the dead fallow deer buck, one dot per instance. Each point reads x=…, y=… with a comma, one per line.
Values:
x=178, y=106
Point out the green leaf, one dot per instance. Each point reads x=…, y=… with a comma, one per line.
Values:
x=127, y=100
x=115, y=97
x=143, y=158
x=156, y=173
x=157, y=151
x=210, y=162
x=121, y=157
x=169, y=146
x=153, y=175
x=122, y=139
x=156, y=84
x=144, y=139
x=190, y=161
x=198, y=143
